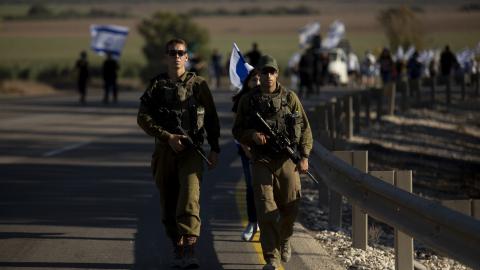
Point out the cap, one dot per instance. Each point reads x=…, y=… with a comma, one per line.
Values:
x=267, y=61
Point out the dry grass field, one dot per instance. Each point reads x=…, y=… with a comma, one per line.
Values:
x=41, y=42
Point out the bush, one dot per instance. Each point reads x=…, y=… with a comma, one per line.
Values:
x=470, y=7
x=130, y=70
x=39, y=11
x=5, y=73
x=23, y=73
x=161, y=28
x=57, y=76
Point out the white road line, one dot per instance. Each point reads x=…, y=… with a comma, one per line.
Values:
x=65, y=149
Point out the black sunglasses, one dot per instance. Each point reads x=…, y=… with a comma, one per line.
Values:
x=176, y=52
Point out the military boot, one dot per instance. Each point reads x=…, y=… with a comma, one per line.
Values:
x=189, y=259
x=285, y=250
x=272, y=265
x=177, y=261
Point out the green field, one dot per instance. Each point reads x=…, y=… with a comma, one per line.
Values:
x=35, y=44
x=41, y=51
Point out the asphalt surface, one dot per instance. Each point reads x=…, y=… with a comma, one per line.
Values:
x=76, y=191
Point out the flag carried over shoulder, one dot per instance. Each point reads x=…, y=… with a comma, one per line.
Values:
x=336, y=31
x=108, y=39
x=307, y=32
x=239, y=68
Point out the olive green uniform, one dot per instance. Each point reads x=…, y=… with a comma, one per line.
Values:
x=276, y=183
x=178, y=175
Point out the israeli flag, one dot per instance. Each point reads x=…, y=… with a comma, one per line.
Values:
x=409, y=52
x=108, y=39
x=465, y=56
x=336, y=31
x=239, y=68
x=400, y=54
x=307, y=32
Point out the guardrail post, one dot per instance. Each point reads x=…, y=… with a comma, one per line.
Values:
x=367, y=95
x=335, y=213
x=476, y=209
x=389, y=91
x=331, y=120
x=348, y=110
x=338, y=118
x=356, y=107
x=322, y=117
x=462, y=206
x=359, y=216
x=403, y=242
x=432, y=89
x=379, y=95
x=476, y=83
x=402, y=88
x=448, y=88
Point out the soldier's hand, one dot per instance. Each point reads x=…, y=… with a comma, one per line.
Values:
x=175, y=142
x=302, y=166
x=213, y=158
x=259, y=138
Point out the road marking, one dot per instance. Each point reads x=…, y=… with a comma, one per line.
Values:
x=241, y=206
x=64, y=149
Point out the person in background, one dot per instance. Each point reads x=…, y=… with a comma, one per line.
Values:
x=251, y=82
x=368, y=70
x=216, y=67
x=387, y=67
x=448, y=64
x=81, y=66
x=414, y=68
x=253, y=55
x=109, y=72
x=353, y=68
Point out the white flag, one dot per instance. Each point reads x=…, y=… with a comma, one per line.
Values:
x=465, y=56
x=409, y=53
x=307, y=32
x=336, y=31
x=400, y=54
x=239, y=68
x=108, y=39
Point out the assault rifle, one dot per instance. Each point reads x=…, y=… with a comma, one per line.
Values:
x=189, y=141
x=283, y=144
x=159, y=113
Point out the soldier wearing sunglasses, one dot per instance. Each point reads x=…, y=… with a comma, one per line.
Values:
x=180, y=101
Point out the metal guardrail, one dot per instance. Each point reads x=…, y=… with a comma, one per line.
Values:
x=445, y=230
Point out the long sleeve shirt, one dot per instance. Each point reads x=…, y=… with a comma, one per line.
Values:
x=203, y=96
x=243, y=129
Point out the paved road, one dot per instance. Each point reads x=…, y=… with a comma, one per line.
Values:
x=76, y=192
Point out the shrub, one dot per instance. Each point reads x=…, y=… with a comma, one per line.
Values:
x=161, y=28
x=5, y=73
x=39, y=10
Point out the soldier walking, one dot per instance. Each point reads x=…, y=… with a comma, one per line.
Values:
x=276, y=180
x=177, y=108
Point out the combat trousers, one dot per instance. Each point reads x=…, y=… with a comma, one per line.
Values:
x=178, y=178
x=276, y=187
